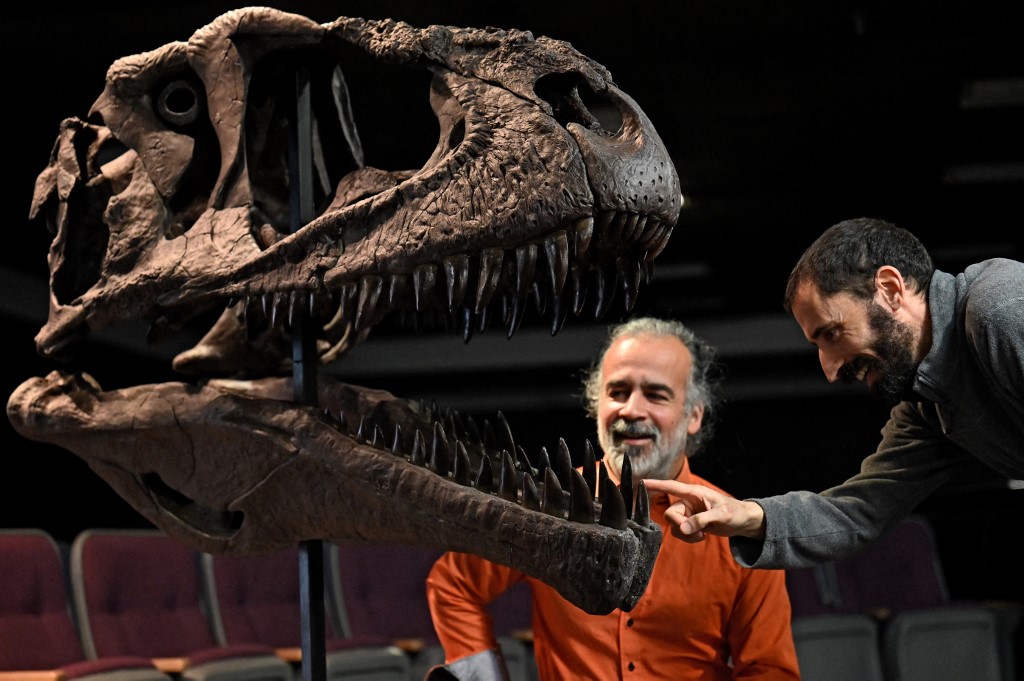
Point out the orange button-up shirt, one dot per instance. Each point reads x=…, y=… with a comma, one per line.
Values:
x=702, y=616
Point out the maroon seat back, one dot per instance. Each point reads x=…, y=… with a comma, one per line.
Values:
x=138, y=593
x=257, y=598
x=36, y=628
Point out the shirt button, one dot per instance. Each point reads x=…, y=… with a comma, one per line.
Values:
x=631, y=666
x=629, y=622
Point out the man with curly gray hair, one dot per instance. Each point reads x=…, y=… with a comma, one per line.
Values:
x=651, y=393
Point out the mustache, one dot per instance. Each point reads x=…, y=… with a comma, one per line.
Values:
x=848, y=372
x=627, y=429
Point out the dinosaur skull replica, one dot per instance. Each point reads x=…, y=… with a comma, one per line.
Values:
x=180, y=195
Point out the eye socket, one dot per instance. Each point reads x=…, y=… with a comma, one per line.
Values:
x=573, y=101
x=179, y=103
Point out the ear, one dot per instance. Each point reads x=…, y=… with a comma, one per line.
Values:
x=696, y=418
x=890, y=286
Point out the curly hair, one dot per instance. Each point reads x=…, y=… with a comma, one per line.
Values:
x=703, y=386
x=847, y=255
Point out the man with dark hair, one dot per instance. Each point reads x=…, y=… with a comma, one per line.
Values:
x=651, y=394
x=947, y=351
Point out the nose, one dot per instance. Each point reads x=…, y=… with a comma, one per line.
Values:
x=830, y=364
x=633, y=408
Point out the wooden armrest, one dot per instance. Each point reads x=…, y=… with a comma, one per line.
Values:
x=170, y=665
x=522, y=635
x=34, y=675
x=410, y=645
x=293, y=655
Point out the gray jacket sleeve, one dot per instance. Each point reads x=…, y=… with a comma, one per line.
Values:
x=804, y=528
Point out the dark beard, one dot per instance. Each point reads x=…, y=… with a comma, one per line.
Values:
x=893, y=344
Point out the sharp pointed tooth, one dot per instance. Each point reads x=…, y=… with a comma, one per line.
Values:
x=507, y=483
x=274, y=307
x=424, y=278
x=629, y=227
x=360, y=435
x=396, y=287
x=440, y=452
x=642, y=511
x=563, y=463
x=467, y=324
x=396, y=440
x=485, y=475
x=612, y=233
x=294, y=308
x=626, y=485
x=490, y=439
x=604, y=294
x=490, y=274
x=523, y=461
x=514, y=319
x=650, y=232
x=349, y=294
x=556, y=252
x=648, y=268
x=531, y=497
x=659, y=245
x=583, y=231
x=543, y=460
x=589, y=467
x=460, y=471
x=456, y=274
x=581, y=500
x=613, y=508
x=472, y=430
x=559, y=312
x=526, y=266
x=418, y=455
x=267, y=303
x=505, y=440
x=553, y=502
x=370, y=286
x=378, y=437
x=483, y=318
x=637, y=230
x=540, y=300
x=579, y=290
x=629, y=275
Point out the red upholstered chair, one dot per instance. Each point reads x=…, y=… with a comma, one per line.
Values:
x=380, y=590
x=138, y=592
x=38, y=639
x=256, y=599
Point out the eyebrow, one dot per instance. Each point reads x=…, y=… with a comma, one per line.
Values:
x=820, y=330
x=647, y=385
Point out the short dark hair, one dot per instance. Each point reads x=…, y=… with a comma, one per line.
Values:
x=702, y=388
x=847, y=255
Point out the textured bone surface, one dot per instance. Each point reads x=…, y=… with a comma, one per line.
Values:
x=173, y=200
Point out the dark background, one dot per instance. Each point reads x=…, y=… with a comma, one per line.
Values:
x=782, y=118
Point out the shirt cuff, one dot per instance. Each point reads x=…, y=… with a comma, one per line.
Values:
x=488, y=665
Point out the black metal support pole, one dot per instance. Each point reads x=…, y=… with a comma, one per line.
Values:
x=304, y=373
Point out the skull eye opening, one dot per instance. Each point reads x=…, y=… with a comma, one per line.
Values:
x=573, y=101
x=179, y=103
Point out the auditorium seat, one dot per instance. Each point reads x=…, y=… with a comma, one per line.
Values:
x=38, y=639
x=138, y=592
x=380, y=589
x=256, y=599
x=900, y=583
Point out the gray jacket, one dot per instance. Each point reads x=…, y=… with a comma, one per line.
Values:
x=971, y=386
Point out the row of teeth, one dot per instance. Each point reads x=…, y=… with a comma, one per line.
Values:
x=538, y=270
x=553, y=487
